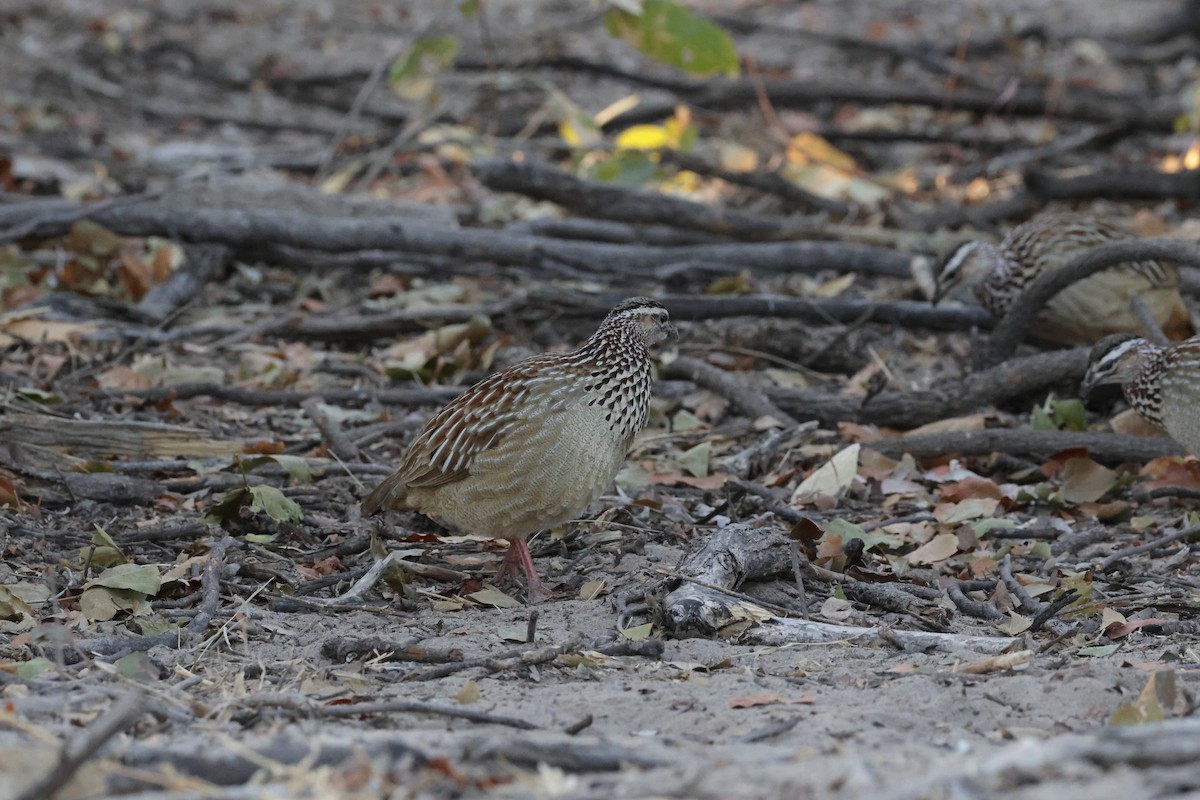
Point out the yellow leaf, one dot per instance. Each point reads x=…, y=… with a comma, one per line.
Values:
x=338, y=181
x=644, y=137
x=806, y=148
x=469, y=693
x=568, y=133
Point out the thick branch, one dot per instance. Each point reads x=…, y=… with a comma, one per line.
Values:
x=1010, y=331
x=1012, y=379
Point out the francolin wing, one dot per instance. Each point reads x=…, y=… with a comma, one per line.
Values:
x=533, y=446
x=1088, y=309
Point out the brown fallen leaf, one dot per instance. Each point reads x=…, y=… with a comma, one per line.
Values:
x=997, y=663
x=752, y=700
x=715, y=481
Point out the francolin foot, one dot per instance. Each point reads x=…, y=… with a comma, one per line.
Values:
x=533, y=446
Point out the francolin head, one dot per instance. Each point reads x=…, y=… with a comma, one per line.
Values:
x=1161, y=383
x=1086, y=310
x=533, y=446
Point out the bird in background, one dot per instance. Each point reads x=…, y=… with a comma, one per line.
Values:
x=1086, y=310
x=533, y=446
x=1162, y=384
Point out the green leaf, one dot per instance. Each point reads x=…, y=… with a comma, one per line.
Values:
x=1070, y=414
x=491, y=596
x=848, y=530
x=629, y=168
x=695, y=459
x=296, y=466
x=34, y=667
x=413, y=73
x=38, y=396
x=104, y=551
x=141, y=578
x=638, y=632
x=671, y=33
x=1098, y=650
x=982, y=526
x=1041, y=420
x=279, y=508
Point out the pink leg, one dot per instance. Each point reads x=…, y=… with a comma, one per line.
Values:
x=518, y=555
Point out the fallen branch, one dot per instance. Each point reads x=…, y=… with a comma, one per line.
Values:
x=247, y=231
x=610, y=201
x=741, y=552
x=84, y=745
x=1014, y=378
x=1125, y=185
x=313, y=708
x=1106, y=447
x=817, y=311
x=742, y=394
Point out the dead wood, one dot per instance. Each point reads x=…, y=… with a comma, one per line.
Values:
x=604, y=230
x=85, y=744
x=110, y=437
x=1153, y=747
x=743, y=395
x=1010, y=331
x=609, y=201
x=219, y=762
x=111, y=488
x=202, y=263
x=726, y=94
x=817, y=311
x=766, y=182
x=346, y=650
x=335, y=438
x=247, y=230
x=309, y=707
x=1124, y=185
x=742, y=552
x=1148, y=547
x=437, y=395
x=567, y=754
x=1005, y=382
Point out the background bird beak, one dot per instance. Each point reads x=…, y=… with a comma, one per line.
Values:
x=671, y=332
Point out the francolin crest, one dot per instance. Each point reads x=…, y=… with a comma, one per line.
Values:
x=1161, y=383
x=531, y=447
x=1084, y=311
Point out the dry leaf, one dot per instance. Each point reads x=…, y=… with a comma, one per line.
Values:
x=939, y=548
x=831, y=479
x=753, y=700
x=997, y=663
x=1085, y=481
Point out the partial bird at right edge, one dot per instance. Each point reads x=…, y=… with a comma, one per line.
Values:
x=1162, y=384
x=1088, y=309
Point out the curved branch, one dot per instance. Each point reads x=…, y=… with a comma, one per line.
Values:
x=1010, y=331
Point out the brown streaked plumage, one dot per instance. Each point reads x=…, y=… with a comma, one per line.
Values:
x=1086, y=310
x=1161, y=383
x=531, y=447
